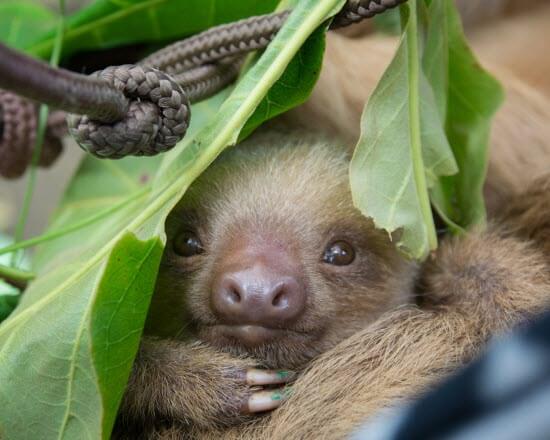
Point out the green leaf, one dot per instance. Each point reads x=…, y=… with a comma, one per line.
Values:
x=442, y=93
x=9, y=295
x=106, y=23
x=468, y=98
x=67, y=349
x=23, y=22
x=402, y=149
x=388, y=22
x=8, y=300
x=118, y=316
x=96, y=338
x=296, y=84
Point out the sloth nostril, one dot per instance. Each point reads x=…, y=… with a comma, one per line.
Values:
x=234, y=294
x=280, y=299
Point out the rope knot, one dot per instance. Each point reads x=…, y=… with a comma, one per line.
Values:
x=157, y=115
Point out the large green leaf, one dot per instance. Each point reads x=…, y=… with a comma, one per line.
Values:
x=425, y=132
x=23, y=22
x=402, y=149
x=468, y=98
x=107, y=23
x=66, y=350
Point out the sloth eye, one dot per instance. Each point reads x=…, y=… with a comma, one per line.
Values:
x=187, y=244
x=339, y=253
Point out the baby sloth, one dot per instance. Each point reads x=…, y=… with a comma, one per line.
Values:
x=266, y=260
x=267, y=256
x=271, y=275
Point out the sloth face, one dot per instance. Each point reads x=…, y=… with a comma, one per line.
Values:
x=267, y=256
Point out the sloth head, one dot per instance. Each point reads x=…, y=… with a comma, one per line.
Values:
x=267, y=256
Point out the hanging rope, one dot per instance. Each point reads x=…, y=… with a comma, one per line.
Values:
x=141, y=109
x=358, y=10
x=18, y=124
x=217, y=43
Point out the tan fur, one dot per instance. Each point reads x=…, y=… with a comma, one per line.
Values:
x=475, y=14
x=473, y=289
x=288, y=174
x=368, y=346
x=528, y=217
x=165, y=367
x=522, y=39
x=479, y=13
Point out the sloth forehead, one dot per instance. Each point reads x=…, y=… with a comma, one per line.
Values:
x=285, y=181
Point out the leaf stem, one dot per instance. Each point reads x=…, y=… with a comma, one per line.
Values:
x=15, y=277
x=414, y=122
x=71, y=228
x=31, y=182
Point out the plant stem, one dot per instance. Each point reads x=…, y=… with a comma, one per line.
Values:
x=71, y=228
x=31, y=183
x=41, y=131
x=414, y=122
x=16, y=277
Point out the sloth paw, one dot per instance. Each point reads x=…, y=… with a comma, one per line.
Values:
x=274, y=391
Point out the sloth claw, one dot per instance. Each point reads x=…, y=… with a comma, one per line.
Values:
x=256, y=377
x=261, y=401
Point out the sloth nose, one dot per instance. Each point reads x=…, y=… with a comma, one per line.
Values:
x=258, y=296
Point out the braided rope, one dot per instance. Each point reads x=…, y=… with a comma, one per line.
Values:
x=60, y=88
x=357, y=10
x=157, y=117
x=203, y=65
x=135, y=109
x=129, y=110
x=18, y=134
x=205, y=78
x=204, y=81
x=57, y=124
x=218, y=43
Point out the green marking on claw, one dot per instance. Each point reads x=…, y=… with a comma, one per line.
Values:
x=285, y=393
x=283, y=374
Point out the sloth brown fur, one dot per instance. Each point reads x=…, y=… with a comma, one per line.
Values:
x=301, y=197
x=375, y=332
x=370, y=343
x=289, y=173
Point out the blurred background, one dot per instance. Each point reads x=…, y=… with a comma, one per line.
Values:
x=50, y=184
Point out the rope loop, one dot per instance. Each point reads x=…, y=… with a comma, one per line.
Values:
x=157, y=118
x=18, y=124
x=18, y=133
